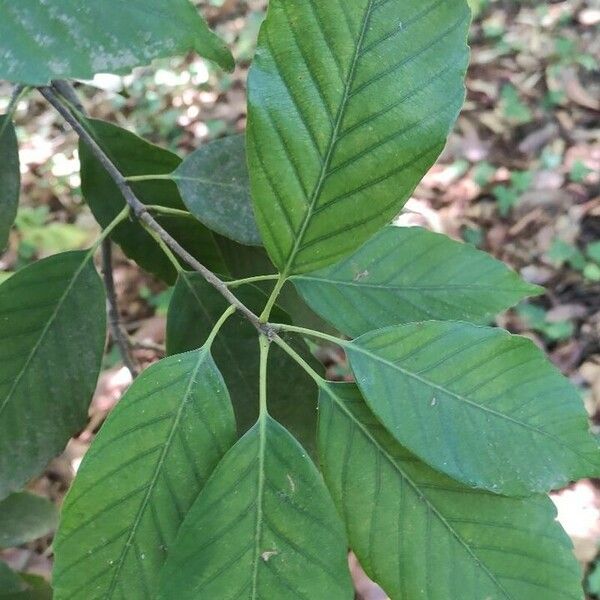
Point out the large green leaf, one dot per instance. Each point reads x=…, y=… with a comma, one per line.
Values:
x=406, y=274
x=25, y=517
x=476, y=403
x=10, y=178
x=140, y=477
x=52, y=327
x=135, y=156
x=421, y=535
x=349, y=104
x=213, y=182
x=263, y=527
x=194, y=309
x=41, y=41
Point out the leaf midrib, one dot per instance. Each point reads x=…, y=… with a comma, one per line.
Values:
x=400, y=287
x=202, y=354
x=325, y=165
x=341, y=406
x=45, y=330
x=457, y=396
x=262, y=431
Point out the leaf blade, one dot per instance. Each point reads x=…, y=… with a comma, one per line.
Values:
x=42, y=407
x=383, y=283
x=135, y=156
x=318, y=91
x=471, y=407
x=213, y=182
x=77, y=44
x=452, y=541
x=10, y=178
x=138, y=479
x=286, y=526
x=25, y=517
x=194, y=309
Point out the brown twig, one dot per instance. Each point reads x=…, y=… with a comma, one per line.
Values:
x=141, y=213
x=114, y=320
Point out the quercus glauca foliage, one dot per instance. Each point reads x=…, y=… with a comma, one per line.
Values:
x=232, y=468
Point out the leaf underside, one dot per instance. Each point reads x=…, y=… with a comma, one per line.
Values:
x=41, y=41
x=481, y=405
x=48, y=369
x=406, y=274
x=10, y=178
x=213, y=182
x=421, y=535
x=263, y=527
x=135, y=156
x=349, y=104
x=194, y=309
x=139, y=478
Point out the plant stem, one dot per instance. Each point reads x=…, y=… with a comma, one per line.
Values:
x=295, y=356
x=108, y=230
x=172, y=258
x=17, y=94
x=255, y=279
x=311, y=333
x=218, y=325
x=141, y=212
x=114, y=320
x=147, y=177
x=165, y=210
x=264, y=354
x=266, y=313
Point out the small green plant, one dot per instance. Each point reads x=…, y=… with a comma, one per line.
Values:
x=433, y=465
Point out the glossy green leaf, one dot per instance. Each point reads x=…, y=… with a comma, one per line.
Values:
x=349, y=104
x=140, y=477
x=263, y=527
x=25, y=517
x=52, y=324
x=135, y=156
x=10, y=178
x=476, y=403
x=421, y=535
x=213, y=182
x=406, y=274
x=45, y=40
x=194, y=309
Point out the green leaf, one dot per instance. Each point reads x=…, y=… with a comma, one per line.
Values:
x=41, y=41
x=194, y=309
x=25, y=517
x=263, y=527
x=10, y=582
x=213, y=182
x=476, y=403
x=52, y=323
x=421, y=535
x=139, y=478
x=135, y=156
x=406, y=274
x=349, y=104
x=10, y=178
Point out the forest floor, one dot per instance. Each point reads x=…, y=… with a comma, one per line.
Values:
x=520, y=178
